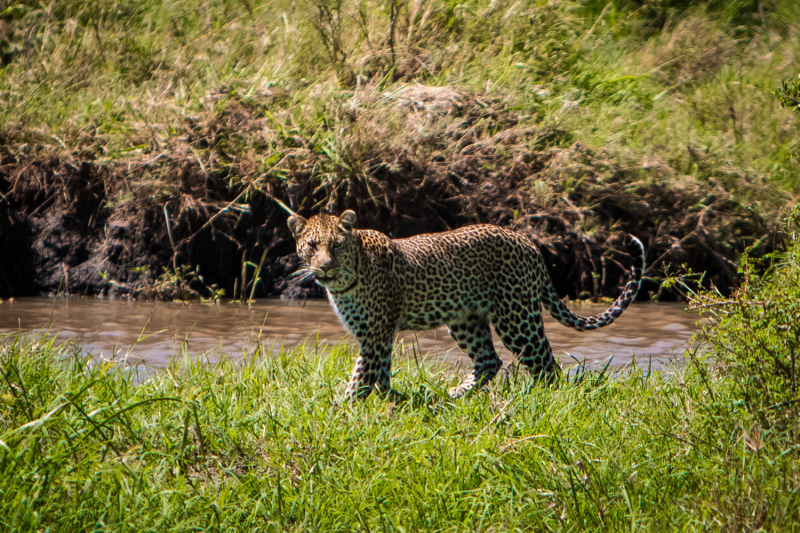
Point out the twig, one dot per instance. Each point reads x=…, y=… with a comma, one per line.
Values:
x=599, y=18
x=782, y=404
x=218, y=213
x=515, y=442
x=394, y=14
x=66, y=278
x=711, y=305
x=700, y=226
x=492, y=421
x=171, y=240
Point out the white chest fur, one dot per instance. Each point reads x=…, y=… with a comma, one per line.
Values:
x=338, y=313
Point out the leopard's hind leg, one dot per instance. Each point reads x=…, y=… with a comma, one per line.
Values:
x=473, y=335
x=522, y=332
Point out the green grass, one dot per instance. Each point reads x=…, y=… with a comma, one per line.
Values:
x=115, y=80
x=260, y=444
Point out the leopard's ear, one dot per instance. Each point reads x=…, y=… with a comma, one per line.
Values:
x=347, y=221
x=297, y=225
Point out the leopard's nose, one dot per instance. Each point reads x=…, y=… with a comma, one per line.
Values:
x=324, y=261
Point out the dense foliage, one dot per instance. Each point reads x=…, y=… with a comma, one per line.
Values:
x=126, y=76
x=754, y=338
x=789, y=94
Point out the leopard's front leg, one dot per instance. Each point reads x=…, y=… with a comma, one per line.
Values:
x=373, y=366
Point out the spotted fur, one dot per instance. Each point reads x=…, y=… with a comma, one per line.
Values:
x=467, y=279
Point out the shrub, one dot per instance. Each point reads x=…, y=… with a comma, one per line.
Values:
x=753, y=337
x=789, y=94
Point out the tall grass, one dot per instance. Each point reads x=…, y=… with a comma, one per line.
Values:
x=644, y=80
x=261, y=444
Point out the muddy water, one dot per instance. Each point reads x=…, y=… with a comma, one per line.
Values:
x=653, y=333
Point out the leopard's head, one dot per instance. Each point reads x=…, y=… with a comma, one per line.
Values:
x=327, y=247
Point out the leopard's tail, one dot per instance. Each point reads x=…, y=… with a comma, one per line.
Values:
x=559, y=311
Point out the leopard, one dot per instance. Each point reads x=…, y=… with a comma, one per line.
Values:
x=468, y=279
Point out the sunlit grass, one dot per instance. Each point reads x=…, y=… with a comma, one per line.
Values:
x=262, y=444
x=118, y=79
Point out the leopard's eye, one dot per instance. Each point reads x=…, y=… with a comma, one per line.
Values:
x=337, y=245
x=312, y=245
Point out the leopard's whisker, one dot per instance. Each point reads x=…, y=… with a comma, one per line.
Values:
x=301, y=279
x=302, y=271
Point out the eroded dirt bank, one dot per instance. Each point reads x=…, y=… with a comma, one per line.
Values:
x=74, y=216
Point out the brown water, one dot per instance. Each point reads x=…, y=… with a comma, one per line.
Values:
x=654, y=333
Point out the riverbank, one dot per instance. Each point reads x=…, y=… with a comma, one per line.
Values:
x=262, y=444
x=140, y=148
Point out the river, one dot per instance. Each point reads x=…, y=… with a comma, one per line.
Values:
x=651, y=333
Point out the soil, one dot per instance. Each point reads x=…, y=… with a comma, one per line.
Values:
x=73, y=221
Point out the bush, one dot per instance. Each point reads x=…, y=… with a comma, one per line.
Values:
x=753, y=337
x=789, y=94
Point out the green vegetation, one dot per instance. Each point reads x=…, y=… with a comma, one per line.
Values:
x=789, y=94
x=260, y=444
x=566, y=120
x=755, y=339
x=118, y=79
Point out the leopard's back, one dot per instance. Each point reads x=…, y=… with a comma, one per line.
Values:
x=446, y=275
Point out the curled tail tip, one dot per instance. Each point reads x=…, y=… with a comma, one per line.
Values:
x=635, y=249
x=632, y=244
